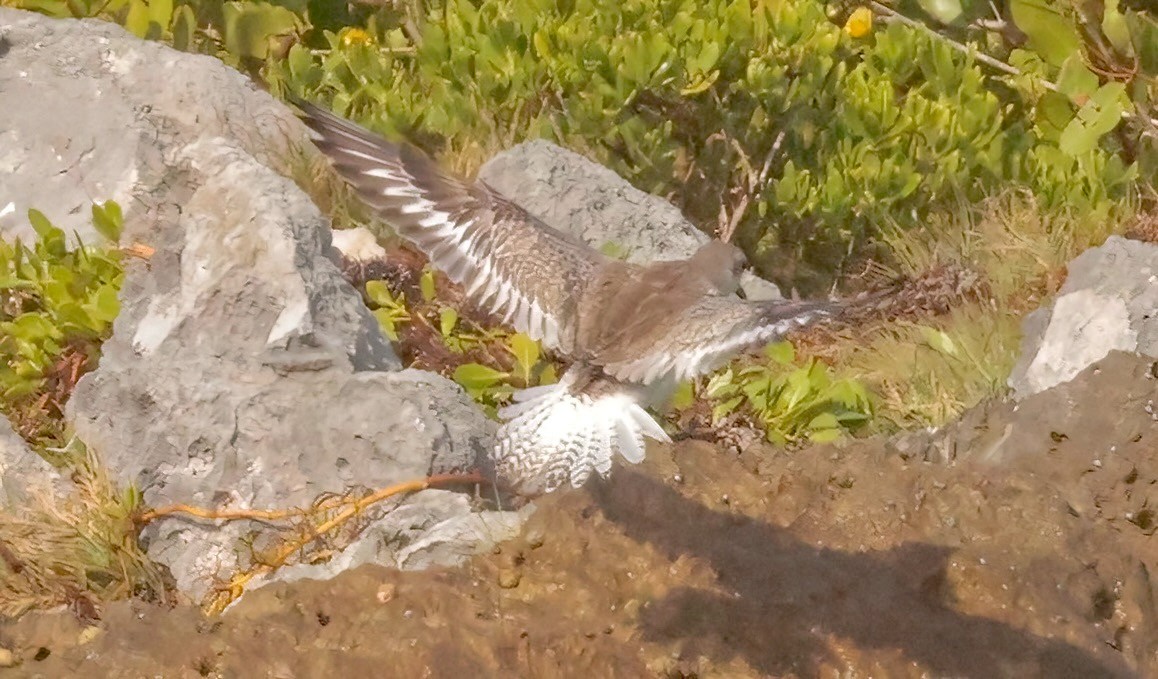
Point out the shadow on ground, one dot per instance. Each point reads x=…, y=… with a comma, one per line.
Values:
x=1032, y=560
x=778, y=592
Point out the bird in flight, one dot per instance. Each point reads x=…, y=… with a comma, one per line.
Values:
x=632, y=331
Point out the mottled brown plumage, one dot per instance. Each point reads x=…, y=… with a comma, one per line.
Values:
x=630, y=328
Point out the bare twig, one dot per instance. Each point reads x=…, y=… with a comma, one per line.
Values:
x=140, y=250
x=754, y=182
x=236, y=585
x=223, y=514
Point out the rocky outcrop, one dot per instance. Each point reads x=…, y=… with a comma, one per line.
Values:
x=244, y=371
x=591, y=202
x=1109, y=302
x=92, y=113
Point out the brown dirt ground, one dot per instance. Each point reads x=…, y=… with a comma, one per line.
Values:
x=1030, y=555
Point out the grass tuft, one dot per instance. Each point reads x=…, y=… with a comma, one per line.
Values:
x=1002, y=259
x=77, y=549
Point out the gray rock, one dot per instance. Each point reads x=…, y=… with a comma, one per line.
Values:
x=243, y=371
x=22, y=471
x=91, y=113
x=583, y=198
x=1108, y=302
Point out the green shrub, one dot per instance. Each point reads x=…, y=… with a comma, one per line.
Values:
x=763, y=117
x=713, y=103
x=56, y=307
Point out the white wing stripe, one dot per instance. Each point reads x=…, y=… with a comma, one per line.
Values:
x=691, y=361
x=381, y=172
x=346, y=150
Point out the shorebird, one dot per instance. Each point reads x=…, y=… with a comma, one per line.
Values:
x=632, y=331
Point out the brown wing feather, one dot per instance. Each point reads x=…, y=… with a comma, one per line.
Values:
x=636, y=306
x=508, y=260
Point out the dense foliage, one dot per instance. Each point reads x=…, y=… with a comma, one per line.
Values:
x=818, y=135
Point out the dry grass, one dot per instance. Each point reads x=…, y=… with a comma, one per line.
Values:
x=926, y=374
x=76, y=550
x=926, y=371
x=1020, y=250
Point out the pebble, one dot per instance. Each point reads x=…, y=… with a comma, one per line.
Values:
x=509, y=578
x=535, y=539
x=7, y=658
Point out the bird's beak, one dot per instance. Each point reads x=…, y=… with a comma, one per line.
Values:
x=741, y=294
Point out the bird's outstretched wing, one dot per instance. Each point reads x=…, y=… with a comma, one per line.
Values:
x=509, y=262
x=706, y=334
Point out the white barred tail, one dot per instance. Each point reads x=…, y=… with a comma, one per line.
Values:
x=552, y=435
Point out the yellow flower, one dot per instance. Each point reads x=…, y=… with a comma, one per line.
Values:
x=860, y=22
x=355, y=36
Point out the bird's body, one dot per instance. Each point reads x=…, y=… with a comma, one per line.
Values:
x=633, y=331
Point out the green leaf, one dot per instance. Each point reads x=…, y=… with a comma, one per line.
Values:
x=722, y=410
x=683, y=396
x=31, y=326
x=1098, y=116
x=776, y=436
x=107, y=306
x=1076, y=80
x=22, y=387
x=251, y=27
x=72, y=313
x=797, y=388
x=824, y=421
x=526, y=352
x=447, y=319
x=825, y=435
x=781, y=352
x=379, y=293
x=160, y=16
x=1117, y=29
x=852, y=417
x=386, y=322
x=478, y=376
x=11, y=283
x=108, y=220
x=721, y=384
x=1144, y=29
x=426, y=284
x=1054, y=112
x=1050, y=31
x=945, y=11
x=137, y=20
x=50, y=236
x=184, y=29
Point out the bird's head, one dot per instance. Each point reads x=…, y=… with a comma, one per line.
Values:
x=721, y=264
